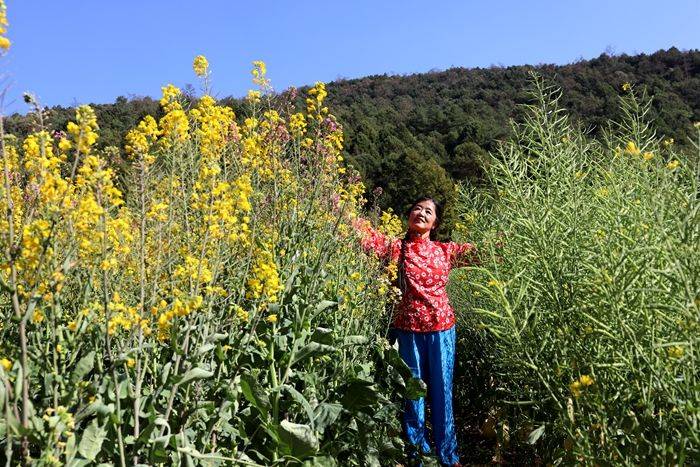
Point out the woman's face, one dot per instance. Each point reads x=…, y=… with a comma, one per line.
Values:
x=422, y=217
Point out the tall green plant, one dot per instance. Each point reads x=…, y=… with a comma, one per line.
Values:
x=594, y=311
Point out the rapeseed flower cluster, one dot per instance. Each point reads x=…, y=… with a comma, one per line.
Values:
x=4, y=41
x=259, y=73
x=578, y=386
x=314, y=103
x=263, y=281
x=200, y=65
x=174, y=124
x=124, y=317
x=390, y=224
x=84, y=129
x=140, y=140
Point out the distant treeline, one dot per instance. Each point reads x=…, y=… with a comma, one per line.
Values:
x=417, y=134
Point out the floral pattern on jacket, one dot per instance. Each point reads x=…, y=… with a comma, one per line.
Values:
x=424, y=306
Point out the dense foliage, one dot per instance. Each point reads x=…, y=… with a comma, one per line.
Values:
x=588, y=328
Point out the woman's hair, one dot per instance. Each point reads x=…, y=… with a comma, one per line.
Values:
x=401, y=276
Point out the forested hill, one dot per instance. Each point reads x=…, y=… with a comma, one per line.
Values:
x=416, y=134
x=408, y=134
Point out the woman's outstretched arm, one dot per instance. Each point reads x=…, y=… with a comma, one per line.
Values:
x=371, y=239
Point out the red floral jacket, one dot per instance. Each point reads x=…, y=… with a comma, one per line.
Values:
x=424, y=306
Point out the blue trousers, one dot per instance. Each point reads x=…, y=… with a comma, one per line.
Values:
x=431, y=357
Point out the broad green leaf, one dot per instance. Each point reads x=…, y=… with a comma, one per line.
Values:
x=313, y=349
x=324, y=461
x=355, y=340
x=299, y=397
x=83, y=367
x=359, y=394
x=256, y=395
x=535, y=435
x=415, y=388
x=299, y=439
x=217, y=337
x=195, y=373
x=165, y=372
x=324, y=305
x=322, y=336
x=91, y=441
x=205, y=348
x=326, y=414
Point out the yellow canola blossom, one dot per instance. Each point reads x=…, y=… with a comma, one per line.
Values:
x=390, y=224
x=4, y=41
x=577, y=386
x=174, y=124
x=263, y=281
x=84, y=129
x=200, y=65
x=632, y=149
x=314, y=103
x=259, y=72
x=140, y=139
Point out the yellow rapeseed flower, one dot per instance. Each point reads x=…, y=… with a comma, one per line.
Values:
x=648, y=156
x=673, y=165
x=586, y=380
x=631, y=148
x=575, y=388
x=271, y=319
x=200, y=65
x=6, y=364
x=4, y=41
x=626, y=87
x=675, y=351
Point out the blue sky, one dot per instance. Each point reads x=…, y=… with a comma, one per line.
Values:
x=73, y=51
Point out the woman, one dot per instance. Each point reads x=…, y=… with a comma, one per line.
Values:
x=424, y=321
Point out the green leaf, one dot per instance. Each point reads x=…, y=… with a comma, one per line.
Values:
x=205, y=348
x=359, y=394
x=326, y=414
x=313, y=349
x=535, y=435
x=355, y=340
x=322, y=336
x=91, y=442
x=217, y=337
x=415, y=388
x=299, y=397
x=325, y=304
x=195, y=373
x=393, y=358
x=299, y=439
x=165, y=372
x=255, y=394
x=83, y=367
